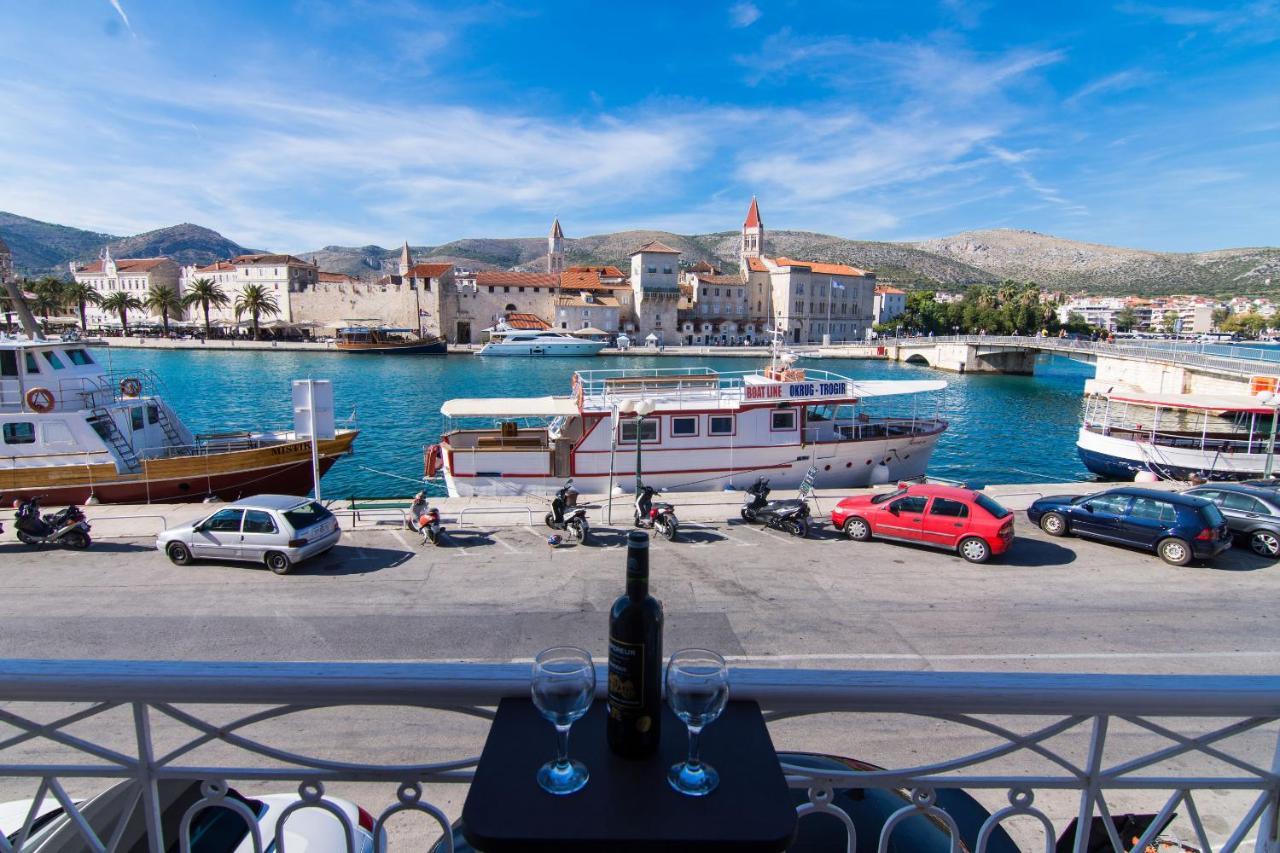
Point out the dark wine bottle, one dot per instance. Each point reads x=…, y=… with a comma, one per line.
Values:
x=635, y=659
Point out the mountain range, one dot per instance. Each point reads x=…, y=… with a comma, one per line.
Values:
x=42, y=248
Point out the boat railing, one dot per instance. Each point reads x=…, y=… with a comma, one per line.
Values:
x=1191, y=439
x=604, y=388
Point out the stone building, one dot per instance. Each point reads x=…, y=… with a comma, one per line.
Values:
x=596, y=297
x=131, y=275
x=655, y=284
x=719, y=310
x=555, y=249
x=481, y=299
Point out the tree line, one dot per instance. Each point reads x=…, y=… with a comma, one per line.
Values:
x=1004, y=309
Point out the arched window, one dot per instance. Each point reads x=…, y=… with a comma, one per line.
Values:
x=509, y=307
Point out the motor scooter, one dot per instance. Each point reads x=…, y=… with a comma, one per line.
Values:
x=66, y=527
x=425, y=519
x=655, y=516
x=791, y=515
x=575, y=524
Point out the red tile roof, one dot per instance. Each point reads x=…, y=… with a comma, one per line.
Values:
x=429, y=270
x=133, y=265
x=217, y=266
x=527, y=321
x=820, y=268
x=753, y=215
x=603, y=272
x=575, y=300
x=884, y=288
x=656, y=247
x=756, y=265
x=510, y=277
x=289, y=260
x=337, y=277
x=720, y=279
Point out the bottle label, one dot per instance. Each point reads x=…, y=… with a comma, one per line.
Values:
x=626, y=674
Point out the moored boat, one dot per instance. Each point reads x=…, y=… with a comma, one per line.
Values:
x=384, y=340
x=505, y=339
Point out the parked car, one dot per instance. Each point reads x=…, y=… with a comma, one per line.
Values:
x=213, y=829
x=961, y=520
x=1178, y=527
x=1252, y=513
x=277, y=530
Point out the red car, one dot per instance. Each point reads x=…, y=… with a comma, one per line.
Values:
x=957, y=519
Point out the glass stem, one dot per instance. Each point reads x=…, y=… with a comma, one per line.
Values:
x=694, y=761
x=562, y=747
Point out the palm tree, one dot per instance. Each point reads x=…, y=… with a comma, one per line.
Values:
x=205, y=292
x=163, y=300
x=81, y=294
x=255, y=300
x=122, y=303
x=48, y=291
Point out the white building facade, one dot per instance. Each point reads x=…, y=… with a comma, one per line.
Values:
x=129, y=275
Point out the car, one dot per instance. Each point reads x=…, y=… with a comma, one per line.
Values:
x=279, y=531
x=1178, y=527
x=1252, y=513
x=216, y=829
x=961, y=520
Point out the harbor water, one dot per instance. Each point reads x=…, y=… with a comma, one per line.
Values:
x=1004, y=429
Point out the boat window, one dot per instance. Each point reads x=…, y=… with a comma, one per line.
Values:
x=1152, y=509
x=720, y=425
x=22, y=432
x=627, y=431
x=153, y=414
x=135, y=417
x=52, y=357
x=224, y=520
x=32, y=367
x=911, y=503
x=1243, y=503
x=257, y=521
x=684, y=426
x=991, y=506
x=79, y=357
x=8, y=363
x=949, y=508
x=783, y=420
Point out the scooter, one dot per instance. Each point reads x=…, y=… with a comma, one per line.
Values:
x=655, y=516
x=66, y=527
x=789, y=515
x=426, y=520
x=576, y=523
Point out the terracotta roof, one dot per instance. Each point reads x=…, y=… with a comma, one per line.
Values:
x=429, y=270
x=753, y=215
x=703, y=266
x=339, y=277
x=217, y=266
x=270, y=259
x=656, y=247
x=730, y=280
x=597, y=301
x=510, y=277
x=886, y=289
x=603, y=272
x=820, y=268
x=133, y=265
x=527, y=321
x=756, y=265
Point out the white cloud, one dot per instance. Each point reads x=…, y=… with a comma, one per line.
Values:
x=1255, y=22
x=1121, y=81
x=120, y=11
x=744, y=14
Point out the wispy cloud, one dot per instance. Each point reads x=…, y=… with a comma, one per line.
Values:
x=1121, y=81
x=966, y=13
x=1256, y=22
x=115, y=4
x=744, y=14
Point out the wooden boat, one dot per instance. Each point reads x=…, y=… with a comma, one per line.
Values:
x=380, y=340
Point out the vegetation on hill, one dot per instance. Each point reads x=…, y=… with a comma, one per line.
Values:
x=1009, y=308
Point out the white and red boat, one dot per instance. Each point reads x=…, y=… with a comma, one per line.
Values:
x=699, y=430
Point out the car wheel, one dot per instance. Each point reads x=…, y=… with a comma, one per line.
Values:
x=178, y=554
x=1265, y=543
x=974, y=550
x=1054, y=523
x=1174, y=551
x=857, y=529
x=77, y=539
x=278, y=562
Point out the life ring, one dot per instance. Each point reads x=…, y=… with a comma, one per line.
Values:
x=130, y=387
x=40, y=400
x=432, y=460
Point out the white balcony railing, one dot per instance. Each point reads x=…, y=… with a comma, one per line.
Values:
x=1202, y=746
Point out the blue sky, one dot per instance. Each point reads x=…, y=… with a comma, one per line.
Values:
x=290, y=126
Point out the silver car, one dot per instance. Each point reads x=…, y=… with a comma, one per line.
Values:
x=276, y=530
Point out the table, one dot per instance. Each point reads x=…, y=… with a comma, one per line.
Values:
x=627, y=804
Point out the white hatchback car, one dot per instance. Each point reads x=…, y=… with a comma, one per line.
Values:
x=277, y=530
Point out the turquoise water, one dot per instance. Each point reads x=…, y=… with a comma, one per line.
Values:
x=1004, y=429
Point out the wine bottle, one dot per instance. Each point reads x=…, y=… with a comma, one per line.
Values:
x=635, y=659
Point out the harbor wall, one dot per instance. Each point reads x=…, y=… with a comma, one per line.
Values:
x=393, y=304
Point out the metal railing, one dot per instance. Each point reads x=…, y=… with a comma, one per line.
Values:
x=1021, y=745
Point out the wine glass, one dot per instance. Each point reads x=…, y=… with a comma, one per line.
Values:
x=697, y=690
x=563, y=685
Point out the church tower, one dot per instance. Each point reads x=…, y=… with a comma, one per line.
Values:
x=406, y=262
x=555, y=248
x=108, y=262
x=752, y=233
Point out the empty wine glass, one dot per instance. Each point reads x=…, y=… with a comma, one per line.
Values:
x=697, y=690
x=563, y=685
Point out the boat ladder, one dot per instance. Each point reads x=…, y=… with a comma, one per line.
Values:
x=162, y=417
x=116, y=439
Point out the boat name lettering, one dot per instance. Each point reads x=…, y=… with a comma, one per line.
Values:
x=289, y=449
x=795, y=390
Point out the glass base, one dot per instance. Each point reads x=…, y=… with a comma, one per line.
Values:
x=693, y=780
x=562, y=778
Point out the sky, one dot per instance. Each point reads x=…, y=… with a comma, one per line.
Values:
x=293, y=125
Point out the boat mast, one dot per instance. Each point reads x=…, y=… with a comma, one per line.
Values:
x=25, y=317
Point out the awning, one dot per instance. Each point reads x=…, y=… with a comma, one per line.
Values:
x=1199, y=402
x=509, y=407
x=589, y=331
x=890, y=387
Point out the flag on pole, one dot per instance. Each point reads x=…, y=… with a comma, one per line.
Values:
x=835, y=285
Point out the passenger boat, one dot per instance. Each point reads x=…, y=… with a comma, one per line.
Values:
x=706, y=431
x=1174, y=436
x=507, y=340
x=72, y=432
x=382, y=340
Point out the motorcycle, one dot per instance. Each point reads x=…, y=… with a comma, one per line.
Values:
x=425, y=519
x=65, y=527
x=790, y=515
x=576, y=523
x=655, y=516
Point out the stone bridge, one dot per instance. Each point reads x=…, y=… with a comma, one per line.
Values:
x=1151, y=367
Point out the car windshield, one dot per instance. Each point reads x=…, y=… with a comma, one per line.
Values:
x=1212, y=515
x=888, y=496
x=302, y=517
x=991, y=506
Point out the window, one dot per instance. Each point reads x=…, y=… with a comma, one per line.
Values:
x=520, y=289
x=1152, y=509
x=8, y=363
x=135, y=416
x=720, y=425
x=224, y=521
x=153, y=413
x=79, y=357
x=684, y=426
x=491, y=288
x=909, y=504
x=1111, y=504
x=799, y=288
x=949, y=508
x=1242, y=503
x=783, y=420
x=666, y=270
x=23, y=432
x=991, y=506
x=506, y=290
x=52, y=357
x=302, y=517
x=32, y=367
x=653, y=269
x=627, y=431
x=257, y=521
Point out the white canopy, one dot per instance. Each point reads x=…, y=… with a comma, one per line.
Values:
x=509, y=407
x=889, y=387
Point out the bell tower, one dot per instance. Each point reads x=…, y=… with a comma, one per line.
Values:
x=406, y=261
x=752, y=232
x=555, y=248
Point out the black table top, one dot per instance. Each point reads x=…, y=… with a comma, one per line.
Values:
x=627, y=804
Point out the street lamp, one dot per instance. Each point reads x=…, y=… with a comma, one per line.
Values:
x=642, y=408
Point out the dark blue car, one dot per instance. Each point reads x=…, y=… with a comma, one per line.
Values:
x=1180, y=528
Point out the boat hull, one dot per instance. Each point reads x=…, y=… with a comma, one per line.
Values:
x=573, y=348
x=1115, y=458
x=437, y=347
x=278, y=469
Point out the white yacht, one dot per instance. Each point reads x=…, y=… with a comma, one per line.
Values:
x=507, y=340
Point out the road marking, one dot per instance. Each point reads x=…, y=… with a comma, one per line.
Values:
x=399, y=538
x=505, y=544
